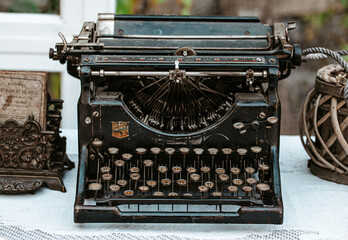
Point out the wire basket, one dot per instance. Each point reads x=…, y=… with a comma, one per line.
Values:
x=324, y=125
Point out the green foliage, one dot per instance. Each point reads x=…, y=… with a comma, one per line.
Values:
x=53, y=85
x=319, y=19
x=344, y=3
x=30, y=6
x=26, y=6
x=125, y=6
x=187, y=7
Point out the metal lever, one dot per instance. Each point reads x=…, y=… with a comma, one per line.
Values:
x=65, y=44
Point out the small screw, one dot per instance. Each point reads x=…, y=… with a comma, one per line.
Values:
x=95, y=114
x=86, y=59
x=88, y=120
x=262, y=115
x=87, y=28
x=272, y=60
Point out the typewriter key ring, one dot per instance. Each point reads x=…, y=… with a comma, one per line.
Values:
x=98, y=144
x=227, y=152
x=213, y=152
x=263, y=187
x=263, y=168
x=170, y=152
x=107, y=177
x=184, y=151
x=199, y=152
x=140, y=152
x=114, y=188
x=95, y=187
x=247, y=190
x=112, y=151
x=156, y=151
x=232, y=189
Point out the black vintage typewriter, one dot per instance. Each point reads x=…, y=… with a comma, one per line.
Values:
x=179, y=118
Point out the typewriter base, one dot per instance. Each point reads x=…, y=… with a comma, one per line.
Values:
x=111, y=210
x=327, y=174
x=18, y=181
x=255, y=215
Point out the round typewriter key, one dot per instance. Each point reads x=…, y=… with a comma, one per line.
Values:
x=166, y=181
x=242, y=151
x=203, y=188
x=256, y=149
x=272, y=119
x=181, y=182
x=198, y=151
x=127, y=156
x=148, y=163
x=217, y=194
x=95, y=186
x=237, y=182
x=134, y=170
x=176, y=169
x=151, y=183
x=220, y=170
x=187, y=194
x=251, y=181
x=249, y=170
x=119, y=163
x=140, y=151
x=128, y=192
x=184, y=150
x=169, y=151
x=232, y=189
x=135, y=176
x=209, y=184
x=226, y=151
x=213, y=151
x=122, y=182
x=235, y=170
x=105, y=169
x=113, y=150
x=144, y=189
x=195, y=177
x=238, y=125
x=158, y=194
x=107, y=177
x=263, y=167
x=162, y=169
x=114, y=188
x=247, y=189
x=224, y=177
x=173, y=194
x=191, y=170
x=155, y=150
x=205, y=169
x=263, y=187
x=97, y=143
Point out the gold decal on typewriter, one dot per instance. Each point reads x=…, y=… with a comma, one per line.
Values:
x=120, y=129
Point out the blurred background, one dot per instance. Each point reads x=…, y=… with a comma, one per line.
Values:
x=319, y=23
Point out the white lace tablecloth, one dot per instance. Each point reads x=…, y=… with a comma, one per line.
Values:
x=313, y=209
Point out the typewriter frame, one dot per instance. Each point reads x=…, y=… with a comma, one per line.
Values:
x=278, y=58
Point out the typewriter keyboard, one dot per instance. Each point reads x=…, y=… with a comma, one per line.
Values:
x=193, y=173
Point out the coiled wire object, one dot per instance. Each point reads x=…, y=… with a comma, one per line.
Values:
x=324, y=118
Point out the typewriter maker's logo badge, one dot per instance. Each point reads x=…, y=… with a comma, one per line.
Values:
x=120, y=129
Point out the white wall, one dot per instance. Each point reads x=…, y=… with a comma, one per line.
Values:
x=26, y=38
